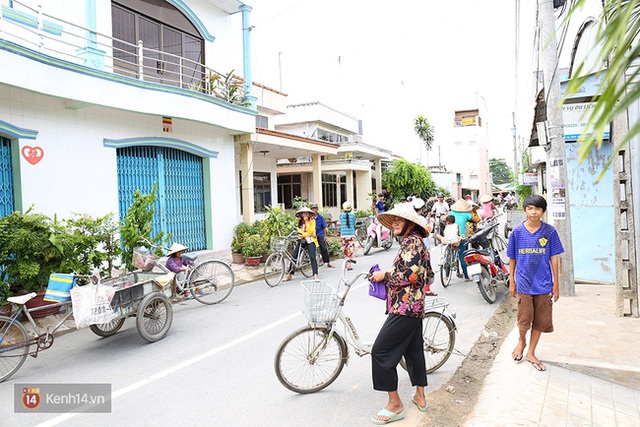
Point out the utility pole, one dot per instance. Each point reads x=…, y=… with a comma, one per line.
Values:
x=514, y=132
x=557, y=181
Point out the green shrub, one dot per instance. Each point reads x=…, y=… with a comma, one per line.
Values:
x=254, y=246
x=32, y=246
x=335, y=247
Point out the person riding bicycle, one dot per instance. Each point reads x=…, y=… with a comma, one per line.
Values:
x=178, y=265
x=306, y=239
x=488, y=208
x=439, y=211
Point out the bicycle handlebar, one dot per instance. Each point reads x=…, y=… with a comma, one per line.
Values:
x=349, y=283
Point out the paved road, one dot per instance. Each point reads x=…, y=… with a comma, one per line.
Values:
x=216, y=364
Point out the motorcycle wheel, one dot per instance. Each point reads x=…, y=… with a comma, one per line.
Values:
x=487, y=289
x=368, y=245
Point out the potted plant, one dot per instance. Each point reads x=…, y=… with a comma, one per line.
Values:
x=252, y=249
x=240, y=233
x=236, y=250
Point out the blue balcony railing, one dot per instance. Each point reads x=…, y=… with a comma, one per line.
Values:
x=33, y=28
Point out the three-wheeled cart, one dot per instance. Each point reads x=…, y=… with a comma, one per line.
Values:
x=145, y=296
x=514, y=217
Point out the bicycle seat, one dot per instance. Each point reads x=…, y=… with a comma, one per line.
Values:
x=22, y=299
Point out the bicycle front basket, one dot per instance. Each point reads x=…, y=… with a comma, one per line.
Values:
x=278, y=243
x=320, y=302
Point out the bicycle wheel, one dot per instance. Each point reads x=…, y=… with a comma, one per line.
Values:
x=501, y=247
x=107, y=329
x=305, y=263
x=309, y=359
x=154, y=317
x=12, y=353
x=445, y=268
x=439, y=334
x=367, y=246
x=361, y=236
x=212, y=281
x=319, y=259
x=274, y=269
x=487, y=289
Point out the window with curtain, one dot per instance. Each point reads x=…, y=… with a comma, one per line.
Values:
x=173, y=48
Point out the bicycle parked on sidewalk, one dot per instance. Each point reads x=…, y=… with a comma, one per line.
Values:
x=210, y=282
x=311, y=358
x=281, y=260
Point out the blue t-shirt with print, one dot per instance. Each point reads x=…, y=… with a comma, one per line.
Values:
x=380, y=206
x=321, y=224
x=533, y=252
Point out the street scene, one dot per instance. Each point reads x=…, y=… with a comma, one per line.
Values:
x=319, y=213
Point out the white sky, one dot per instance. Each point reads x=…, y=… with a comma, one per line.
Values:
x=387, y=62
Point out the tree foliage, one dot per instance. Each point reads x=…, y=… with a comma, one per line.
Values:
x=615, y=44
x=424, y=130
x=500, y=171
x=404, y=178
x=137, y=225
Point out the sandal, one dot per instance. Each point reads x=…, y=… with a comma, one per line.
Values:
x=431, y=294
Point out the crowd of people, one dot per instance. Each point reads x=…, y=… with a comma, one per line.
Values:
x=407, y=281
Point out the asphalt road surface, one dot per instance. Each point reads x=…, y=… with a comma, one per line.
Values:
x=215, y=366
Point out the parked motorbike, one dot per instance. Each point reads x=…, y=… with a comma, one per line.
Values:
x=484, y=265
x=378, y=236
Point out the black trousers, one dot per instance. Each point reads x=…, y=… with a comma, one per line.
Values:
x=399, y=336
x=324, y=250
x=311, y=248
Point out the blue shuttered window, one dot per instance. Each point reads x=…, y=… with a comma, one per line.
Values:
x=6, y=178
x=179, y=207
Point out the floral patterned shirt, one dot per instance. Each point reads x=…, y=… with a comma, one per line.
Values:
x=410, y=273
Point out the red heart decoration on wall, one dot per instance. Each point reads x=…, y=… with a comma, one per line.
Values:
x=32, y=154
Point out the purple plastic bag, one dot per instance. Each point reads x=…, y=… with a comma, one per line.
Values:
x=377, y=289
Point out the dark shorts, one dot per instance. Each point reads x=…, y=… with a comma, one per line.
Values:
x=535, y=311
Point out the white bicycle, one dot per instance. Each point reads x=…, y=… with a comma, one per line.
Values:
x=312, y=357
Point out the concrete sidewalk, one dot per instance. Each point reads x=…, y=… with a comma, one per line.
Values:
x=592, y=376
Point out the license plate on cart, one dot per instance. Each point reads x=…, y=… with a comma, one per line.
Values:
x=474, y=269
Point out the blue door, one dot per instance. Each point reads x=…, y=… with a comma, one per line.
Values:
x=6, y=178
x=179, y=207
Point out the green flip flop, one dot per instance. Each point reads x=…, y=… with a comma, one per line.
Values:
x=391, y=415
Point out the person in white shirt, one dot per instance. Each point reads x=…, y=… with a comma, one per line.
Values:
x=451, y=234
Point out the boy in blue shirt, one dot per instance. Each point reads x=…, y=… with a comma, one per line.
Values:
x=533, y=251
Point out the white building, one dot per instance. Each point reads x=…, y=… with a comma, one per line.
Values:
x=468, y=154
x=100, y=98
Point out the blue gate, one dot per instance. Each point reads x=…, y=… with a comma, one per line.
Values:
x=6, y=178
x=179, y=206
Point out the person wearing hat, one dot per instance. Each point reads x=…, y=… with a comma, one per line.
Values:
x=178, y=265
x=348, y=232
x=321, y=234
x=407, y=283
x=306, y=239
x=461, y=210
x=487, y=206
